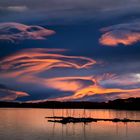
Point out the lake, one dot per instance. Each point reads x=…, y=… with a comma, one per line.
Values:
x=30, y=124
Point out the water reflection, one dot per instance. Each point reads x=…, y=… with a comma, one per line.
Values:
x=31, y=124
x=95, y=130
x=88, y=131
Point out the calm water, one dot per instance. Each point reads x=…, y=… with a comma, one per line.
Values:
x=30, y=124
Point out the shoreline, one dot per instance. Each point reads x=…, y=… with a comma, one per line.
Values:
x=119, y=104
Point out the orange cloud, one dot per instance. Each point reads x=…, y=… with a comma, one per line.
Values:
x=126, y=34
x=109, y=39
x=10, y=95
x=94, y=88
x=68, y=83
x=11, y=31
x=26, y=65
x=30, y=62
x=76, y=83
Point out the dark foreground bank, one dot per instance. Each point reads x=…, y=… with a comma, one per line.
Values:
x=127, y=104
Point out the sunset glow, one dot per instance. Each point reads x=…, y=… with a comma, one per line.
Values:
x=69, y=51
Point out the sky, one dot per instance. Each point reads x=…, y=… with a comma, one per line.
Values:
x=69, y=50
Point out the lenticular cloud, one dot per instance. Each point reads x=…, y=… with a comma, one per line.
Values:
x=15, y=32
x=37, y=60
x=126, y=34
x=7, y=94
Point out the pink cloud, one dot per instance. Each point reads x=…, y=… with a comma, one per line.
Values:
x=12, y=31
x=10, y=95
x=26, y=64
x=81, y=91
x=126, y=34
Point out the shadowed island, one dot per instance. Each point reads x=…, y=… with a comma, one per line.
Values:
x=121, y=104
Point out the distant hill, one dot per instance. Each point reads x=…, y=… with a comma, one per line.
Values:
x=127, y=104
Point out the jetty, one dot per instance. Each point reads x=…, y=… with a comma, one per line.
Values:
x=66, y=120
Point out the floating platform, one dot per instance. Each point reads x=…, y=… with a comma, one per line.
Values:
x=65, y=120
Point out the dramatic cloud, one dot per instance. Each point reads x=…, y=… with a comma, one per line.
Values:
x=69, y=83
x=54, y=73
x=15, y=31
x=126, y=34
x=7, y=94
x=90, y=89
x=110, y=96
x=127, y=80
x=30, y=62
x=28, y=66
